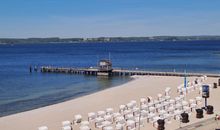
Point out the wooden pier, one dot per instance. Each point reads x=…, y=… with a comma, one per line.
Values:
x=117, y=72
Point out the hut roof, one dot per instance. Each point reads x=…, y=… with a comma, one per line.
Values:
x=105, y=60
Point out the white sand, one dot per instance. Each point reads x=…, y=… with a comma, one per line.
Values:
x=143, y=86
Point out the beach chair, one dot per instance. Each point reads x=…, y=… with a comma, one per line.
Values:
x=115, y=115
x=136, y=111
x=109, y=111
x=179, y=88
x=196, y=86
x=129, y=117
x=77, y=119
x=66, y=123
x=150, y=116
x=161, y=113
x=128, y=112
x=143, y=101
x=144, y=107
x=43, y=128
x=84, y=128
x=108, y=118
x=153, y=121
x=165, y=105
x=167, y=117
x=152, y=109
x=178, y=106
x=139, y=122
x=159, y=95
x=188, y=89
x=177, y=114
x=120, y=120
x=108, y=128
x=192, y=88
x=200, y=89
x=171, y=110
x=158, y=107
x=185, y=103
x=193, y=107
x=84, y=123
x=205, y=77
x=134, y=103
x=122, y=108
x=98, y=122
x=189, y=83
x=167, y=91
x=119, y=127
x=67, y=128
x=163, y=99
x=101, y=113
x=172, y=102
x=167, y=98
x=150, y=104
x=155, y=102
x=106, y=123
x=178, y=100
x=149, y=99
x=129, y=106
x=182, y=97
x=130, y=124
x=144, y=114
x=192, y=101
x=91, y=116
x=198, y=100
x=187, y=109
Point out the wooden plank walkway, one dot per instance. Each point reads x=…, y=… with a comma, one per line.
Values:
x=118, y=72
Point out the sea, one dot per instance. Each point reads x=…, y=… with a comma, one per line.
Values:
x=21, y=90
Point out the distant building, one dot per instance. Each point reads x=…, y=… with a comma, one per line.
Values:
x=104, y=67
x=84, y=39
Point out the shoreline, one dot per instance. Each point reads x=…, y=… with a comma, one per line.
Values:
x=70, y=98
x=53, y=115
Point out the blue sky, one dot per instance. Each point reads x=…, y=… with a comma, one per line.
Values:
x=96, y=18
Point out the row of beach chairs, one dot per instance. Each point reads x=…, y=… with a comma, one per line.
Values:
x=134, y=114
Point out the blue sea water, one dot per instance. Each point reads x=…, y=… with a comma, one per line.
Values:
x=21, y=90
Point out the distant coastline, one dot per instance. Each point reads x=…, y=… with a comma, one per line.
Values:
x=105, y=39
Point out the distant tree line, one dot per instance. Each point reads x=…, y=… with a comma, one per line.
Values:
x=105, y=39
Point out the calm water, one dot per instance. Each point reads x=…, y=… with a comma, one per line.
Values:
x=22, y=91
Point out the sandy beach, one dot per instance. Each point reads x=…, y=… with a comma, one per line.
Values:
x=141, y=86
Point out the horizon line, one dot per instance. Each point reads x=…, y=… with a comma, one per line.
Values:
x=111, y=36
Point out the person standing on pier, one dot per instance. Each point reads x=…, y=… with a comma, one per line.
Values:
x=30, y=69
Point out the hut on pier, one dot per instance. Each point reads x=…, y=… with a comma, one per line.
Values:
x=104, y=68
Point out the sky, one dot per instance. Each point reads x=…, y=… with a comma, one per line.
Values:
x=108, y=18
